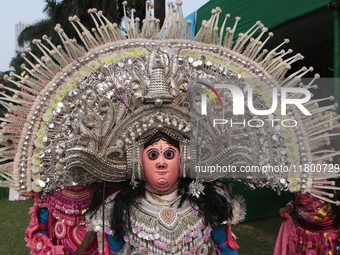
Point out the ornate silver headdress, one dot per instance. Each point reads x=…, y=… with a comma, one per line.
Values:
x=84, y=111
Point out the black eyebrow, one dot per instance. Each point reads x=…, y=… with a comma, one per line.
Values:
x=169, y=148
x=152, y=149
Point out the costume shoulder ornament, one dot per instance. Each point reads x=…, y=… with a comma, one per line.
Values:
x=84, y=111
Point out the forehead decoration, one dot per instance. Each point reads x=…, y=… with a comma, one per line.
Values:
x=85, y=110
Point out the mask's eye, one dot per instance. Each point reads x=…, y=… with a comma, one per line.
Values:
x=169, y=154
x=153, y=155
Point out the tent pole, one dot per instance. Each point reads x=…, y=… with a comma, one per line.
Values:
x=336, y=90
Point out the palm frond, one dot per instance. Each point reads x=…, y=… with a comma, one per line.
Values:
x=50, y=7
x=37, y=30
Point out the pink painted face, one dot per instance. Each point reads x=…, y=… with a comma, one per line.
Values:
x=161, y=165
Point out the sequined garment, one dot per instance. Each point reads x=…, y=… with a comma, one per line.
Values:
x=159, y=227
x=316, y=227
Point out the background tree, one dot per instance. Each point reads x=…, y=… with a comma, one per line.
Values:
x=16, y=62
x=160, y=11
x=6, y=83
x=60, y=11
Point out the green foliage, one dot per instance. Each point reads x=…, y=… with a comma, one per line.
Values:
x=16, y=62
x=37, y=30
x=2, y=80
x=6, y=83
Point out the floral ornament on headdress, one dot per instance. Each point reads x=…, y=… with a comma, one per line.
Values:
x=196, y=189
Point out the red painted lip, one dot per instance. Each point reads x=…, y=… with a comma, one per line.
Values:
x=160, y=172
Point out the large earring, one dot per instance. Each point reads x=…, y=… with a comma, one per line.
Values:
x=135, y=155
x=140, y=168
x=183, y=160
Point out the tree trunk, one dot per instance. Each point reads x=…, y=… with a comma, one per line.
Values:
x=114, y=12
x=160, y=11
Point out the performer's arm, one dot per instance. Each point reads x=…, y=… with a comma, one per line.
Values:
x=114, y=245
x=288, y=208
x=112, y=248
x=111, y=244
x=43, y=221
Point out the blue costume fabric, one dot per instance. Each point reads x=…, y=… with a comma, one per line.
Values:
x=43, y=218
x=114, y=244
x=220, y=236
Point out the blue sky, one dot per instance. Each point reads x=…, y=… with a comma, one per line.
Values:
x=30, y=11
x=12, y=12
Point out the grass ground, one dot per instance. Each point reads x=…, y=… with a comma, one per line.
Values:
x=14, y=221
x=255, y=237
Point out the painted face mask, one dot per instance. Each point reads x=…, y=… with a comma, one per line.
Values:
x=161, y=166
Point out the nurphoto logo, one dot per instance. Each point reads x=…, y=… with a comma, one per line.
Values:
x=238, y=98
